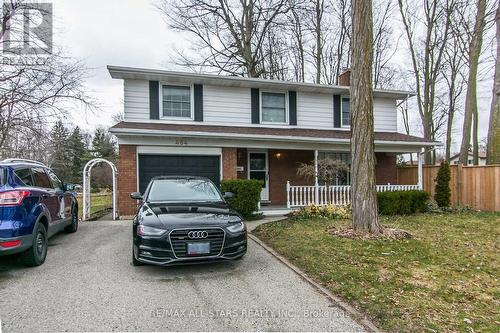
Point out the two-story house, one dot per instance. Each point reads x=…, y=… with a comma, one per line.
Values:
x=225, y=127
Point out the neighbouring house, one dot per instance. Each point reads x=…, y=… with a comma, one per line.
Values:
x=455, y=159
x=226, y=127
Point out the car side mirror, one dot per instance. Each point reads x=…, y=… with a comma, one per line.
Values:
x=228, y=195
x=136, y=195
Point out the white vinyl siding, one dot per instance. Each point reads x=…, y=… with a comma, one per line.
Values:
x=385, y=115
x=314, y=110
x=136, y=100
x=232, y=106
x=227, y=105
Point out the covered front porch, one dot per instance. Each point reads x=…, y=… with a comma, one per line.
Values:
x=284, y=189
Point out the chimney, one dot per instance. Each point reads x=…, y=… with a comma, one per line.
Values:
x=345, y=77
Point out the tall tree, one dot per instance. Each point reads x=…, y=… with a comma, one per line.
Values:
x=103, y=144
x=316, y=25
x=433, y=17
x=453, y=73
x=35, y=86
x=471, y=114
x=383, y=48
x=493, y=149
x=227, y=35
x=59, y=158
x=78, y=154
x=364, y=198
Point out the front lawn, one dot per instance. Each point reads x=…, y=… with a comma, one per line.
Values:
x=444, y=279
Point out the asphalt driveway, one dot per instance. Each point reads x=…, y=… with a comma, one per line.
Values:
x=89, y=284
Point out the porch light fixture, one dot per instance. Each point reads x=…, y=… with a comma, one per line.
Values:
x=278, y=156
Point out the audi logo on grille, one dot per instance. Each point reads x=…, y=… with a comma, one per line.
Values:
x=197, y=234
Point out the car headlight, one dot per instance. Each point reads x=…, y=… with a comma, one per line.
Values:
x=236, y=227
x=149, y=231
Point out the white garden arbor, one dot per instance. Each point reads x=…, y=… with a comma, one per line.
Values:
x=86, y=186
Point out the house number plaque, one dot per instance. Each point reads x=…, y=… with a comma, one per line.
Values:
x=181, y=141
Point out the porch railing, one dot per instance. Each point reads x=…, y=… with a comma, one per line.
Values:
x=299, y=196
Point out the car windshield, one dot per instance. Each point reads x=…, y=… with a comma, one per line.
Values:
x=182, y=190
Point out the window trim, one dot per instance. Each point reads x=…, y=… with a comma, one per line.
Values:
x=342, y=113
x=287, y=110
x=191, y=101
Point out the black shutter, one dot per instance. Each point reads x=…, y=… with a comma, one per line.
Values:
x=198, y=102
x=336, y=111
x=255, y=98
x=154, y=100
x=292, y=106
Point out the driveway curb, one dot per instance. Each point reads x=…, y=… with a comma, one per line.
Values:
x=355, y=314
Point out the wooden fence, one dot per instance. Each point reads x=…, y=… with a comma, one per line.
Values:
x=474, y=186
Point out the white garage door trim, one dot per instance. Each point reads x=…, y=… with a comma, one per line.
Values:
x=158, y=150
x=179, y=150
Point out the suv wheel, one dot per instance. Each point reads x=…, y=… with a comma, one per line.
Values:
x=73, y=227
x=35, y=256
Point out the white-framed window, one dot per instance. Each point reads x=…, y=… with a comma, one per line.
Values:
x=176, y=101
x=345, y=107
x=345, y=157
x=273, y=107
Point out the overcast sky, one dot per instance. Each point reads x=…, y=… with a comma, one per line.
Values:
x=133, y=33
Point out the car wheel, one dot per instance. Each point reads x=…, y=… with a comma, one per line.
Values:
x=35, y=256
x=135, y=262
x=73, y=227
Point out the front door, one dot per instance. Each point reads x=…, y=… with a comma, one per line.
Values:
x=258, y=169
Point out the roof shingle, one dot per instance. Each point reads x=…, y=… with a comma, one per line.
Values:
x=268, y=131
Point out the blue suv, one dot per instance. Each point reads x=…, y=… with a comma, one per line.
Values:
x=34, y=205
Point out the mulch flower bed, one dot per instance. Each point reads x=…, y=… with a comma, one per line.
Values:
x=387, y=233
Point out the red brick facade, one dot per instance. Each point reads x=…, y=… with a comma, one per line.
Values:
x=229, y=163
x=282, y=168
x=127, y=179
x=386, y=170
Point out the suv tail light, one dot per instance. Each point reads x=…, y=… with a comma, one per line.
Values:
x=13, y=198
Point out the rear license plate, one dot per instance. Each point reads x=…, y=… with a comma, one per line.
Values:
x=198, y=248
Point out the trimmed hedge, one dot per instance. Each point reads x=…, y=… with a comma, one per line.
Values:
x=246, y=194
x=402, y=202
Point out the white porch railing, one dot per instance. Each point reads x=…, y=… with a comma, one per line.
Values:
x=299, y=196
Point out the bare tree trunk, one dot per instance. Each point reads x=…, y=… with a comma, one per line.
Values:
x=493, y=150
x=427, y=57
x=319, y=8
x=364, y=196
x=471, y=97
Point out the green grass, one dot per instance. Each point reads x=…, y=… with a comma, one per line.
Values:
x=444, y=279
x=97, y=204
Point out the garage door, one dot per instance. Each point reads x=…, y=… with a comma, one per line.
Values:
x=177, y=165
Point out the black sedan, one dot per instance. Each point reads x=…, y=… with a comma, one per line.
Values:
x=185, y=220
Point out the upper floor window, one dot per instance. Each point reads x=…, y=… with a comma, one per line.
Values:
x=346, y=112
x=176, y=101
x=273, y=107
